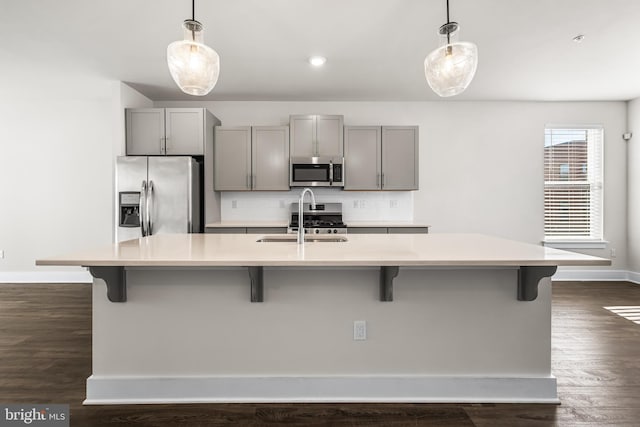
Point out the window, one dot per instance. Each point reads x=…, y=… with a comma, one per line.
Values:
x=573, y=183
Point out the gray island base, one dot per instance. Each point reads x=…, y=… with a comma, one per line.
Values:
x=455, y=330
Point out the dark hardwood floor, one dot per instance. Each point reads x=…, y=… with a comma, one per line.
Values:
x=45, y=357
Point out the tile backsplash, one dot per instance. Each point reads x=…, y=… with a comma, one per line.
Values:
x=356, y=205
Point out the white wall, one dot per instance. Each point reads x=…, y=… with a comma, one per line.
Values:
x=60, y=133
x=481, y=163
x=633, y=193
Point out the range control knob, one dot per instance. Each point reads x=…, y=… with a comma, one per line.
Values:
x=316, y=231
x=328, y=230
x=335, y=231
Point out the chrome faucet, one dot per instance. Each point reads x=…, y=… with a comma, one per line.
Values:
x=301, y=213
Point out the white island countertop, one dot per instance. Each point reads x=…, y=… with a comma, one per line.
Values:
x=215, y=250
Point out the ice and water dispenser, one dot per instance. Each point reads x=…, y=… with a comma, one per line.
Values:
x=129, y=209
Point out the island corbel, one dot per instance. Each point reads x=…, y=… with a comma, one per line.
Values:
x=529, y=278
x=116, y=280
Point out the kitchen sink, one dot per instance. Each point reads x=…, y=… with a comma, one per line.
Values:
x=311, y=239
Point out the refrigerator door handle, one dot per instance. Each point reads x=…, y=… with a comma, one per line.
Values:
x=150, y=208
x=143, y=207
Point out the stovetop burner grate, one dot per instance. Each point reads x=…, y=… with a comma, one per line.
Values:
x=316, y=221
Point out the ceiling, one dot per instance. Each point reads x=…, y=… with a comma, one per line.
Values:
x=375, y=50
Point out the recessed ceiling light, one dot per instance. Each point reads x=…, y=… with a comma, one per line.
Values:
x=317, y=61
x=578, y=38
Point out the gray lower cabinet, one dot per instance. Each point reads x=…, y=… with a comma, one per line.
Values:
x=316, y=135
x=247, y=230
x=388, y=230
x=367, y=230
x=408, y=230
x=381, y=157
x=166, y=131
x=251, y=158
x=226, y=230
x=266, y=230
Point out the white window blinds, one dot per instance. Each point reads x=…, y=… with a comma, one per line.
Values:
x=573, y=183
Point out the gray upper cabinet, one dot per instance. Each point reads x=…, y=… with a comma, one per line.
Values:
x=251, y=158
x=303, y=135
x=232, y=158
x=381, y=158
x=399, y=157
x=270, y=157
x=144, y=131
x=362, y=149
x=316, y=135
x=184, y=131
x=165, y=131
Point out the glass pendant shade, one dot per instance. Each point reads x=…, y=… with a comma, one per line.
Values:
x=194, y=66
x=450, y=68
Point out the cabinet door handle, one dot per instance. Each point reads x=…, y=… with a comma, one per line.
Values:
x=254, y=181
x=161, y=145
x=166, y=144
x=383, y=179
x=378, y=180
x=248, y=181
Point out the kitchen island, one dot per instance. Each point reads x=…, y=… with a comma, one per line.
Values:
x=225, y=318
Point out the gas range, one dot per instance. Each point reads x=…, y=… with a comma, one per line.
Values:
x=326, y=218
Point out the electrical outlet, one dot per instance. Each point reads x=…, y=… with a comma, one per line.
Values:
x=613, y=252
x=393, y=204
x=234, y=204
x=1, y=254
x=356, y=204
x=359, y=330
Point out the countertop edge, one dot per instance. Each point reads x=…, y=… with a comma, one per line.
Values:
x=258, y=263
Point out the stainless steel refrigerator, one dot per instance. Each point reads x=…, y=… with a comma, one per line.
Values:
x=156, y=195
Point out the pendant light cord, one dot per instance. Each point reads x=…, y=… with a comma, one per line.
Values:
x=193, y=18
x=448, y=21
x=447, y=12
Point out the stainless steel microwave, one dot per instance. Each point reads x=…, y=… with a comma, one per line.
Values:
x=317, y=172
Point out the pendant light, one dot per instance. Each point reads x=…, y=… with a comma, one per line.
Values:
x=194, y=66
x=450, y=68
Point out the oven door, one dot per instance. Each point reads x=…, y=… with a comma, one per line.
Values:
x=310, y=173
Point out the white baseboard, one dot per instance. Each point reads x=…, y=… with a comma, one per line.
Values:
x=588, y=275
x=634, y=277
x=45, y=277
x=102, y=390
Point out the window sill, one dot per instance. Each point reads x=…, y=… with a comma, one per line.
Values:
x=576, y=244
